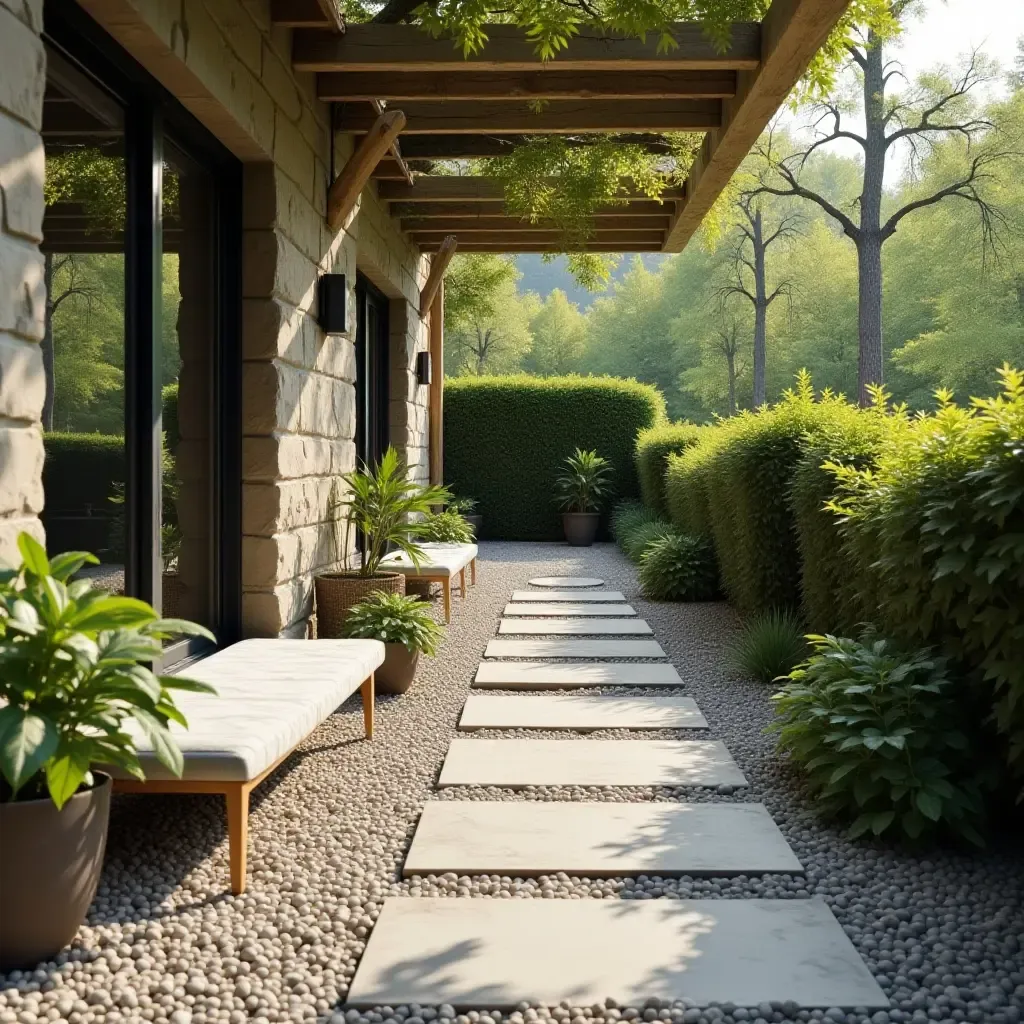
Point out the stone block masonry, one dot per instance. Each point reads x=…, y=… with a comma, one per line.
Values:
x=22, y=292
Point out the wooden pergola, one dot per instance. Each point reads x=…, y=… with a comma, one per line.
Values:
x=416, y=99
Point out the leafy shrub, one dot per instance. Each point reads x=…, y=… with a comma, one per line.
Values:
x=877, y=734
x=394, y=619
x=678, y=568
x=627, y=516
x=583, y=483
x=771, y=645
x=934, y=539
x=446, y=527
x=653, y=447
x=506, y=437
x=640, y=538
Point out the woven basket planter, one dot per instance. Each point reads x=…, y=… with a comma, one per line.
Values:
x=337, y=592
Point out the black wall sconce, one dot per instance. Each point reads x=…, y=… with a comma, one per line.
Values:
x=423, y=368
x=332, y=303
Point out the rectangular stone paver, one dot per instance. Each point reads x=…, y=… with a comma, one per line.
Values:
x=564, y=608
x=477, y=953
x=585, y=762
x=595, y=840
x=573, y=649
x=567, y=595
x=580, y=711
x=548, y=675
x=576, y=627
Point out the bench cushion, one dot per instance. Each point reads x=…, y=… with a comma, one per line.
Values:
x=271, y=694
x=441, y=560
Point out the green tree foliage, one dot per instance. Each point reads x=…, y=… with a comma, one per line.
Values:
x=559, y=337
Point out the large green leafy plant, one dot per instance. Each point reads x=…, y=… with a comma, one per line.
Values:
x=447, y=527
x=73, y=672
x=877, y=733
x=678, y=567
x=584, y=482
x=395, y=619
x=383, y=506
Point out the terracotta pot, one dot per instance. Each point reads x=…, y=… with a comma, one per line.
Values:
x=398, y=669
x=49, y=872
x=580, y=528
x=336, y=592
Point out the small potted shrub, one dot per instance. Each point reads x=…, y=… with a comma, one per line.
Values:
x=465, y=508
x=407, y=629
x=446, y=527
x=73, y=673
x=579, y=491
x=381, y=507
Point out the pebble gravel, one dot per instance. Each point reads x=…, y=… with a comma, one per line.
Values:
x=942, y=929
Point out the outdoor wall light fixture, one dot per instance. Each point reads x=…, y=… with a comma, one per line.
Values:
x=423, y=368
x=332, y=301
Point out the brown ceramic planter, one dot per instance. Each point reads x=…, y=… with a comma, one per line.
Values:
x=49, y=872
x=336, y=592
x=580, y=528
x=398, y=670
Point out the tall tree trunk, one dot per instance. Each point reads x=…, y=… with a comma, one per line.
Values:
x=730, y=359
x=760, y=311
x=47, y=345
x=869, y=240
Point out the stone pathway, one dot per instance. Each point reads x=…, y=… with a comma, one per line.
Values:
x=502, y=953
x=568, y=608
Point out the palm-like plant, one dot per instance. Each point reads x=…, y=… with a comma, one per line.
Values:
x=584, y=482
x=383, y=505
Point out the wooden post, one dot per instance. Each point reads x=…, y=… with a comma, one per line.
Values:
x=436, y=403
x=438, y=265
x=345, y=189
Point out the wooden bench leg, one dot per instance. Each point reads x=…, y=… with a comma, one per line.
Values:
x=462, y=582
x=472, y=572
x=367, y=691
x=446, y=586
x=237, y=798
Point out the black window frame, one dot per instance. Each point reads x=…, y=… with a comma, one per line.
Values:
x=373, y=373
x=151, y=112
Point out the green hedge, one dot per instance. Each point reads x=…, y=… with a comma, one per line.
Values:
x=505, y=439
x=653, y=447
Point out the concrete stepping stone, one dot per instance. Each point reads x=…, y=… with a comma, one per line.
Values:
x=565, y=608
x=519, y=763
x=565, y=581
x=576, y=627
x=580, y=711
x=566, y=595
x=547, y=675
x=596, y=840
x=474, y=953
x=573, y=649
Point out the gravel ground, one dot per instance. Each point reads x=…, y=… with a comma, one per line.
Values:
x=942, y=931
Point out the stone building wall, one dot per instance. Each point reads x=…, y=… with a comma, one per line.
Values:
x=22, y=290
x=228, y=65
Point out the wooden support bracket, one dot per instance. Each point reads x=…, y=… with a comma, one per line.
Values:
x=396, y=150
x=345, y=189
x=438, y=265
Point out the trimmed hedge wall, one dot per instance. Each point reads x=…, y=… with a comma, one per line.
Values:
x=653, y=447
x=505, y=439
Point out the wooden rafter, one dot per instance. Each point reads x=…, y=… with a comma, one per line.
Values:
x=377, y=47
x=445, y=249
x=607, y=238
x=460, y=147
x=474, y=188
x=559, y=246
x=525, y=85
x=464, y=226
x=345, y=189
x=307, y=14
x=560, y=117
x=791, y=34
x=496, y=207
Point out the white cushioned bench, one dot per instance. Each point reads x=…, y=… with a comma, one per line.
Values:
x=440, y=563
x=271, y=694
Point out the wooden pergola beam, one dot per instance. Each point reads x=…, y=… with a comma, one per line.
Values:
x=381, y=47
x=559, y=246
x=477, y=188
x=445, y=249
x=524, y=85
x=611, y=238
x=464, y=226
x=496, y=207
x=791, y=34
x=307, y=14
x=459, y=147
x=560, y=117
x=345, y=189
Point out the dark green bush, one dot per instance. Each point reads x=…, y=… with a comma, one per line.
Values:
x=678, y=568
x=653, y=447
x=627, y=516
x=507, y=437
x=771, y=645
x=637, y=541
x=878, y=735
x=933, y=537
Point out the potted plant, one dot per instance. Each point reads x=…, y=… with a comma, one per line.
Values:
x=579, y=491
x=73, y=672
x=382, y=507
x=407, y=629
x=465, y=507
x=447, y=527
